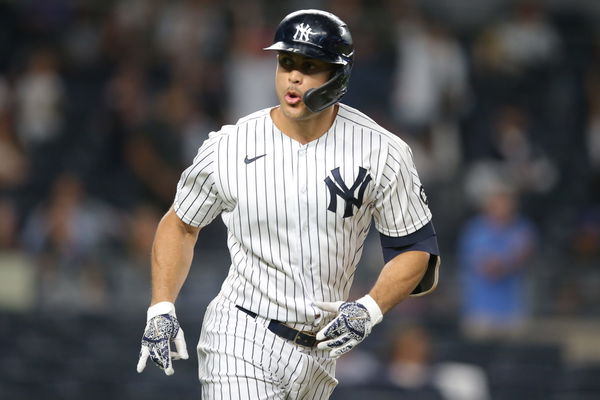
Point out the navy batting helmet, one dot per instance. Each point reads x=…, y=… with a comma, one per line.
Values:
x=321, y=35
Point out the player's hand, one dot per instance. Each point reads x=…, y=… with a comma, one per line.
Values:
x=162, y=327
x=352, y=324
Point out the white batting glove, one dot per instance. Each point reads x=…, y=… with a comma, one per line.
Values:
x=351, y=326
x=162, y=327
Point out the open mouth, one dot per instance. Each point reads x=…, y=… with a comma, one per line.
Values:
x=292, y=97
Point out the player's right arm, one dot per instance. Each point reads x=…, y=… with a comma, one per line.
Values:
x=196, y=204
x=172, y=253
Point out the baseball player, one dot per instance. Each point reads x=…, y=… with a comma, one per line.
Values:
x=297, y=186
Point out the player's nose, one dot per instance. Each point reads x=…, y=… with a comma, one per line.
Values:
x=295, y=76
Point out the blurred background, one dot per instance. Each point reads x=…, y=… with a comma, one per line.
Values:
x=104, y=103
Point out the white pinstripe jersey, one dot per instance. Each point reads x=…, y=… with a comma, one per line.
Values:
x=297, y=214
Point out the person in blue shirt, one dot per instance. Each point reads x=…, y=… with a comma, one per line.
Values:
x=495, y=250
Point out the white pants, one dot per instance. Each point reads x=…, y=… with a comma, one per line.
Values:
x=240, y=359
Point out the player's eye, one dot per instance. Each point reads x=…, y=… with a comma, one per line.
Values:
x=309, y=67
x=306, y=66
x=286, y=62
x=313, y=67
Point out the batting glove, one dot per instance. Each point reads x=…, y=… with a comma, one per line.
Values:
x=352, y=324
x=162, y=327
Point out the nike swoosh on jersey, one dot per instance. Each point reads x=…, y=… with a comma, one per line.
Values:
x=251, y=160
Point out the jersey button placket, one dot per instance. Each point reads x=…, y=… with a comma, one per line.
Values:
x=302, y=243
x=302, y=161
x=302, y=171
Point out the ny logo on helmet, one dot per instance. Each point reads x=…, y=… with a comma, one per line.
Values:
x=303, y=33
x=346, y=193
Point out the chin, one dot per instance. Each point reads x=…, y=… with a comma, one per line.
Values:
x=297, y=112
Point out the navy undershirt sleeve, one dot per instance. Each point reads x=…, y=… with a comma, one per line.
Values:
x=424, y=239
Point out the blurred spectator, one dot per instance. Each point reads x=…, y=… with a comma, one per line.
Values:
x=430, y=83
x=437, y=154
x=370, y=88
x=592, y=125
x=126, y=94
x=515, y=61
x=524, y=41
x=123, y=109
x=430, y=90
x=192, y=39
x=194, y=132
x=155, y=150
x=191, y=30
x=410, y=365
x=82, y=40
x=359, y=367
x=515, y=156
x=526, y=163
x=40, y=119
x=66, y=235
x=9, y=228
x=17, y=272
x=578, y=292
x=496, y=247
x=249, y=70
x=413, y=369
x=593, y=138
x=513, y=57
x=5, y=96
x=14, y=165
x=39, y=100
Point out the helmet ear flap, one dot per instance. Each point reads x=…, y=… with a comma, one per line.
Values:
x=318, y=99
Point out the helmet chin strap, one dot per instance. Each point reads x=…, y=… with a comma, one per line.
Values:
x=318, y=99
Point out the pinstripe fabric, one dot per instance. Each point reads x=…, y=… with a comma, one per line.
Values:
x=240, y=359
x=287, y=248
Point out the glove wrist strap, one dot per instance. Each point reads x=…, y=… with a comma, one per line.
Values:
x=372, y=307
x=164, y=307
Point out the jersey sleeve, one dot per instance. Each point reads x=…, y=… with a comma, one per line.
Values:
x=198, y=202
x=401, y=204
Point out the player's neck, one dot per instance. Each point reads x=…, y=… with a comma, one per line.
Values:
x=305, y=130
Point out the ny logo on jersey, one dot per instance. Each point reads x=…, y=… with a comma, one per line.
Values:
x=303, y=33
x=347, y=194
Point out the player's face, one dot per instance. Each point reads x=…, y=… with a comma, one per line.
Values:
x=295, y=75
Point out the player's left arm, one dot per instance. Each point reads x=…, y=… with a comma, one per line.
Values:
x=399, y=278
x=411, y=270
